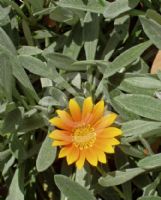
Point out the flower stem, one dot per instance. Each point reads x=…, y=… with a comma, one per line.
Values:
x=120, y=193
x=17, y=9
x=101, y=171
x=146, y=145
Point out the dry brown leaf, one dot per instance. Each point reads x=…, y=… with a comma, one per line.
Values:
x=155, y=67
x=156, y=63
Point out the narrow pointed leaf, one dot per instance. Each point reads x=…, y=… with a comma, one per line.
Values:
x=16, y=190
x=152, y=30
x=90, y=35
x=150, y=162
x=142, y=105
x=126, y=58
x=150, y=198
x=118, y=7
x=46, y=155
x=6, y=41
x=71, y=189
x=91, y=5
x=119, y=177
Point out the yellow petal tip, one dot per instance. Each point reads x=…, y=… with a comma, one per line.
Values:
x=50, y=135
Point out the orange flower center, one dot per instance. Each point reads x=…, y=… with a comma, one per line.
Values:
x=84, y=137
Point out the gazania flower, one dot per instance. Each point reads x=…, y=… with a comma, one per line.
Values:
x=84, y=134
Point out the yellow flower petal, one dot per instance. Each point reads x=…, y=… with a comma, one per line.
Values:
x=73, y=155
x=109, y=141
x=101, y=156
x=91, y=157
x=97, y=113
x=105, y=121
x=60, y=135
x=75, y=110
x=56, y=121
x=104, y=146
x=87, y=108
x=113, y=141
x=66, y=118
x=64, y=151
x=81, y=160
x=109, y=132
x=60, y=143
x=109, y=149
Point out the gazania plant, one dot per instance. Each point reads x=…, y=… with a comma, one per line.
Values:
x=80, y=100
x=85, y=134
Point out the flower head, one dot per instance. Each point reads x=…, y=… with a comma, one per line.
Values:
x=84, y=134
